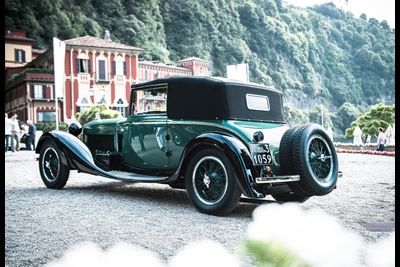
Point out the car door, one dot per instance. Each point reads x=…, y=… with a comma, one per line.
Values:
x=145, y=133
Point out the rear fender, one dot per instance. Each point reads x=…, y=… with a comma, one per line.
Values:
x=235, y=150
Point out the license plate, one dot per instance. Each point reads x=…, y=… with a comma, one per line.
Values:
x=261, y=154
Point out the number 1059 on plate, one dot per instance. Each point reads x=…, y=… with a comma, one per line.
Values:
x=261, y=154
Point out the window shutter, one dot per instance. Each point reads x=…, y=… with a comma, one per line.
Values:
x=16, y=55
x=77, y=66
x=114, y=68
x=124, y=68
x=32, y=91
x=102, y=70
x=89, y=66
x=23, y=56
x=44, y=91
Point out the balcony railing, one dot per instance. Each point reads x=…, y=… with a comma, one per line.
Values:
x=106, y=79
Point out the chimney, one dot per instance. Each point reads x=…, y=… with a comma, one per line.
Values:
x=107, y=35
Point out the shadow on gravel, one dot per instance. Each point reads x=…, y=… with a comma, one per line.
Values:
x=135, y=191
x=139, y=192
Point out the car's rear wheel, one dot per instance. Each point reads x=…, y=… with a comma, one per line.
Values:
x=211, y=183
x=53, y=172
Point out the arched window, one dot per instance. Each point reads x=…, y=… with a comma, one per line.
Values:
x=84, y=105
x=120, y=107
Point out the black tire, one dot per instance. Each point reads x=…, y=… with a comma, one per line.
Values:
x=211, y=182
x=314, y=158
x=285, y=151
x=53, y=172
x=286, y=160
x=290, y=197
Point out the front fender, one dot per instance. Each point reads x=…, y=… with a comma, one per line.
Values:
x=76, y=155
x=236, y=151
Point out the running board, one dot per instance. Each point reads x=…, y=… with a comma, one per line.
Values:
x=135, y=177
x=277, y=179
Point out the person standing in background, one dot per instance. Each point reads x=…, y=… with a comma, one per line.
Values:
x=14, y=132
x=31, y=135
x=381, y=139
x=7, y=133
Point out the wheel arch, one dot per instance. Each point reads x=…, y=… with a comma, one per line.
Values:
x=236, y=152
x=48, y=136
x=75, y=154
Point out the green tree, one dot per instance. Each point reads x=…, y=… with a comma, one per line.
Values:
x=320, y=113
x=90, y=114
x=295, y=116
x=347, y=114
x=379, y=115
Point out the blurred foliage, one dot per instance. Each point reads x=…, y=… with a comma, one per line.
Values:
x=272, y=254
x=380, y=115
x=322, y=51
x=47, y=126
x=90, y=114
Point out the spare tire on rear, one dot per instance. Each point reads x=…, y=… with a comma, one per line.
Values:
x=286, y=162
x=314, y=158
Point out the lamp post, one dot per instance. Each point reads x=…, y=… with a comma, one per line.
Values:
x=102, y=94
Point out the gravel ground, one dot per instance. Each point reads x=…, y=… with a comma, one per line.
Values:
x=41, y=224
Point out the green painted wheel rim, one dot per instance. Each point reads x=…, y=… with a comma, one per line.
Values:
x=320, y=159
x=210, y=180
x=50, y=164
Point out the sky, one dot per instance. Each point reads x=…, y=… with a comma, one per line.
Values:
x=378, y=9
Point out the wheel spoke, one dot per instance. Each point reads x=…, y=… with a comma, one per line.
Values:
x=210, y=180
x=319, y=158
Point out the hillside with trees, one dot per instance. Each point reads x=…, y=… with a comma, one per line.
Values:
x=323, y=59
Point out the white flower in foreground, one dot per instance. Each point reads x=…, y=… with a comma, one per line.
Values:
x=382, y=253
x=204, y=253
x=122, y=254
x=85, y=254
x=314, y=236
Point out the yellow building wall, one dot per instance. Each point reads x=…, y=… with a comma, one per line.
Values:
x=10, y=54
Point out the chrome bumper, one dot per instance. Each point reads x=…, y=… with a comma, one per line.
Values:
x=283, y=179
x=278, y=179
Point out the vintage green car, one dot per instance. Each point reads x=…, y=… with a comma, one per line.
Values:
x=220, y=139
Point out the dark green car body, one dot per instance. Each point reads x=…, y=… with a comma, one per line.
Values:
x=139, y=148
x=217, y=138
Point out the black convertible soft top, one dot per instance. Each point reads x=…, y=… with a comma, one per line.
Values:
x=211, y=98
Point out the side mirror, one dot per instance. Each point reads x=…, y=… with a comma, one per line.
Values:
x=75, y=128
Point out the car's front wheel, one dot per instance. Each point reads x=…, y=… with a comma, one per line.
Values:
x=210, y=182
x=53, y=172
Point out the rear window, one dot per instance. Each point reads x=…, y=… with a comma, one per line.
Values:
x=257, y=102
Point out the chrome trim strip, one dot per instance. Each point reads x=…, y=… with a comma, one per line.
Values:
x=278, y=179
x=172, y=122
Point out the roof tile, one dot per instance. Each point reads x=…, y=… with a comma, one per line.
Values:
x=91, y=41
